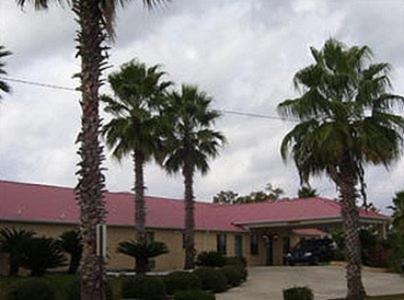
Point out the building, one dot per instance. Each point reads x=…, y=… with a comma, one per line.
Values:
x=261, y=232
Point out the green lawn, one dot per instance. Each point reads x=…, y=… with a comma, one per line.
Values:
x=59, y=280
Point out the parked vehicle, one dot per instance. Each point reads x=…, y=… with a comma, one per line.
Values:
x=311, y=252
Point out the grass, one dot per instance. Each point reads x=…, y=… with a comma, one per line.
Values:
x=60, y=281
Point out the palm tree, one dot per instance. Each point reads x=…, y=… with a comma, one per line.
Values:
x=70, y=242
x=189, y=145
x=142, y=252
x=135, y=125
x=96, y=23
x=12, y=242
x=347, y=121
x=306, y=191
x=4, y=87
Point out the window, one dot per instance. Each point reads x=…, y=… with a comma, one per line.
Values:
x=183, y=241
x=286, y=244
x=221, y=243
x=254, y=244
x=149, y=237
x=238, y=247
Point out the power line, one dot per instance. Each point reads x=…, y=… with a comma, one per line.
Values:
x=65, y=88
x=41, y=84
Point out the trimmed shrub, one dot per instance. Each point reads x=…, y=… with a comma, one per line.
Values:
x=212, y=279
x=298, y=293
x=233, y=274
x=32, y=288
x=236, y=260
x=72, y=289
x=193, y=295
x=210, y=259
x=180, y=281
x=143, y=287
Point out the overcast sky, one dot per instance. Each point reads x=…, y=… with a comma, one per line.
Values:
x=243, y=53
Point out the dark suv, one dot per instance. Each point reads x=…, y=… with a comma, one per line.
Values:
x=311, y=252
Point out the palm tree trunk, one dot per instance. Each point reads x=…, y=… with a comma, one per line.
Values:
x=189, y=218
x=140, y=209
x=91, y=181
x=350, y=215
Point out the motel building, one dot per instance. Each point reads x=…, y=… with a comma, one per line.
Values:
x=261, y=232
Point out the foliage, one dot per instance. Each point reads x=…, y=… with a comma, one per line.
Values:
x=270, y=193
x=4, y=87
x=70, y=242
x=40, y=254
x=72, y=290
x=225, y=197
x=141, y=252
x=193, y=295
x=179, y=281
x=212, y=279
x=234, y=274
x=210, y=259
x=32, y=288
x=236, y=260
x=306, y=191
x=398, y=210
x=298, y=293
x=345, y=107
x=136, y=121
x=143, y=287
x=12, y=242
x=396, y=234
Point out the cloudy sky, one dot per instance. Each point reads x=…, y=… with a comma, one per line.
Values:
x=242, y=52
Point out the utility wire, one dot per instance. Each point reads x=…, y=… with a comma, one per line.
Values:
x=65, y=88
x=41, y=84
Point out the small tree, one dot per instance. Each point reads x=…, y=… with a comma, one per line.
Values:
x=225, y=197
x=42, y=253
x=306, y=191
x=12, y=242
x=142, y=252
x=70, y=242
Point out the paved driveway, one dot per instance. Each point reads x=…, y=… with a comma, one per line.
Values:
x=266, y=283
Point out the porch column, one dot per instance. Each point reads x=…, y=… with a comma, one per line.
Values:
x=382, y=231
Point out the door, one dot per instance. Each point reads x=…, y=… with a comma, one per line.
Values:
x=238, y=247
x=268, y=251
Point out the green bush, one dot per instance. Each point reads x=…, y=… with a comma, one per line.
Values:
x=210, y=259
x=143, y=287
x=193, y=295
x=236, y=260
x=32, y=288
x=212, y=279
x=179, y=281
x=42, y=253
x=234, y=275
x=298, y=293
x=72, y=289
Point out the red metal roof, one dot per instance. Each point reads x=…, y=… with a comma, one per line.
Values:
x=43, y=203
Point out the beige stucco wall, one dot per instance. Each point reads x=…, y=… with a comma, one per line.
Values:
x=204, y=241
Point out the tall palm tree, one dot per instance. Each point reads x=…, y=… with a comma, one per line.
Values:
x=96, y=23
x=4, y=87
x=190, y=144
x=347, y=121
x=136, y=124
